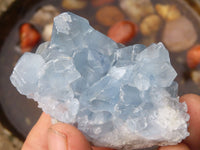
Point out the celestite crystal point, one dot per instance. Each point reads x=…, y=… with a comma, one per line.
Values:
x=119, y=97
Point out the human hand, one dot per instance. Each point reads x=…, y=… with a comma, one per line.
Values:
x=192, y=142
x=45, y=136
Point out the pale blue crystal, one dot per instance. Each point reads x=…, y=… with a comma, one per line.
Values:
x=119, y=97
x=27, y=68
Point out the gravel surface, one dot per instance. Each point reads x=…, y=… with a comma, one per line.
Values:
x=8, y=141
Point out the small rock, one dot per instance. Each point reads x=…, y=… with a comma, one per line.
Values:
x=137, y=9
x=7, y=132
x=74, y=4
x=195, y=75
x=98, y=3
x=109, y=15
x=122, y=32
x=46, y=34
x=4, y=5
x=29, y=37
x=168, y=12
x=44, y=15
x=193, y=57
x=27, y=121
x=150, y=24
x=179, y=34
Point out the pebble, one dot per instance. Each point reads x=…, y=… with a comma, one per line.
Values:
x=150, y=24
x=74, y=4
x=98, y=3
x=29, y=37
x=122, y=32
x=179, y=34
x=137, y=9
x=168, y=12
x=109, y=15
x=4, y=5
x=27, y=121
x=195, y=75
x=44, y=15
x=46, y=33
x=193, y=57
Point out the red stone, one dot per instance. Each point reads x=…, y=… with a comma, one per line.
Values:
x=29, y=37
x=193, y=57
x=122, y=32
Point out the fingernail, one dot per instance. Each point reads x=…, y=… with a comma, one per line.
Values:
x=56, y=140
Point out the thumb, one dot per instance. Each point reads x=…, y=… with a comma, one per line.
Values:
x=66, y=137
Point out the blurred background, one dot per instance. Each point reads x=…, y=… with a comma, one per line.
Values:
x=26, y=24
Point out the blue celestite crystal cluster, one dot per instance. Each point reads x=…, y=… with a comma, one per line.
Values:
x=119, y=97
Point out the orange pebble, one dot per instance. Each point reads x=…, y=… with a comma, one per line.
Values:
x=29, y=37
x=193, y=57
x=98, y=3
x=122, y=32
x=109, y=15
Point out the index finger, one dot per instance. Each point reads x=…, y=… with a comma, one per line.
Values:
x=37, y=138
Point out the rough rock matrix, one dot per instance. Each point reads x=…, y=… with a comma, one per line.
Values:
x=119, y=97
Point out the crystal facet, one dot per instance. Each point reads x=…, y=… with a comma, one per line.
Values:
x=119, y=97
